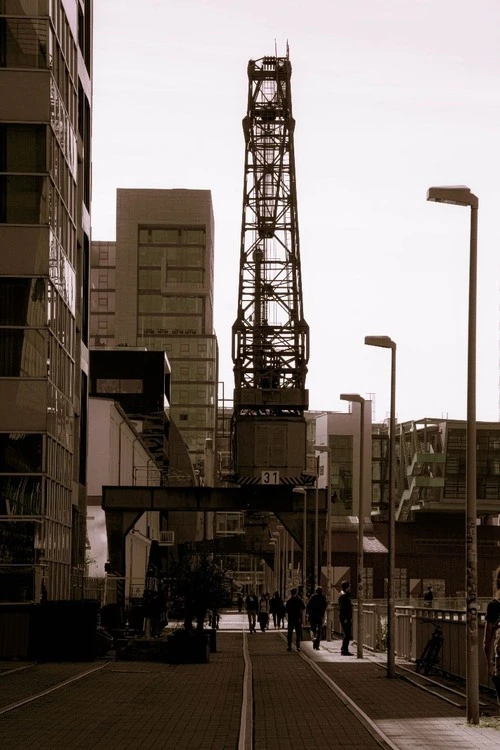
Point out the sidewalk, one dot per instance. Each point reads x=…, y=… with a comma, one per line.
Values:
x=409, y=717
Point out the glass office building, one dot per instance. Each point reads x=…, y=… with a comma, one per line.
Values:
x=45, y=127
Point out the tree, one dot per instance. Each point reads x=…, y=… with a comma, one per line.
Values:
x=199, y=582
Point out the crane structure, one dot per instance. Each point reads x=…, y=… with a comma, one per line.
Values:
x=270, y=341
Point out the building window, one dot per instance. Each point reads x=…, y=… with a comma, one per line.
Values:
x=184, y=276
x=21, y=452
x=23, y=199
x=23, y=353
x=150, y=279
x=23, y=41
x=172, y=235
x=23, y=148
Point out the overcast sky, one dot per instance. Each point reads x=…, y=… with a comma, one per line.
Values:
x=389, y=97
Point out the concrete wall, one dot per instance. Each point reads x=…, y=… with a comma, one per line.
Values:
x=115, y=451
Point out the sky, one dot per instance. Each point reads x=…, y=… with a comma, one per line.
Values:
x=389, y=97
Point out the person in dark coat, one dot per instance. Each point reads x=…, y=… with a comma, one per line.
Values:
x=264, y=612
x=252, y=607
x=491, y=642
x=240, y=602
x=294, y=608
x=428, y=596
x=277, y=609
x=345, y=617
x=316, y=608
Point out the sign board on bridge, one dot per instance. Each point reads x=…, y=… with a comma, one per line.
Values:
x=270, y=477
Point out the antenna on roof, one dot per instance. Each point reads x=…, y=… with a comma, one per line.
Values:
x=275, y=49
x=287, y=50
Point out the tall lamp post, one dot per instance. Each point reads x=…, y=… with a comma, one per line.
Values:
x=460, y=195
x=303, y=491
x=329, y=610
x=316, y=527
x=387, y=343
x=277, y=537
x=357, y=399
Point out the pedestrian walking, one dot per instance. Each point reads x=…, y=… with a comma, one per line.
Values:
x=277, y=609
x=491, y=642
x=294, y=608
x=345, y=617
x=428, y=596
x=240, y=602
x=264, y=612
x=316, y=608
x=252, y=607
x=281, y=615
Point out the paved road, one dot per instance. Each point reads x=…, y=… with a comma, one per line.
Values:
x=154, y=705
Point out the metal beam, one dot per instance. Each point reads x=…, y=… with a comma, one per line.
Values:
x=274, y=499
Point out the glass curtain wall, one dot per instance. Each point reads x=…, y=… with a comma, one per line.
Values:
x=38, y=189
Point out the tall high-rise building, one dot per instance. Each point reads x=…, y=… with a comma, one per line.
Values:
x=153, y=288
x=45, y=166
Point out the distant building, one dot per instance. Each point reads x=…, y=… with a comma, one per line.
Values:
x=154, y=288
x=430, y=496
x=431, y=460
x=45, y=170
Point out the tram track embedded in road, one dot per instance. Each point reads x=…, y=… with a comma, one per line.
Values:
x=52, y=688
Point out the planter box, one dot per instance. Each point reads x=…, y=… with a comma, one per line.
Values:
x=188, y=648
x=212, y=640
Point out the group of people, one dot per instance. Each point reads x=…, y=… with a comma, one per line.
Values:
x=315, y=610
x=259, y=610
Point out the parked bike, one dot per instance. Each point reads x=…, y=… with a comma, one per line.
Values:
x=432, y=649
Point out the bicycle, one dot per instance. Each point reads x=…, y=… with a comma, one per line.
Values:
x=430, y=654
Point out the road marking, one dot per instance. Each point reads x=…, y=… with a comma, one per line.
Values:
x=59, y=685
x=17, y=669
x=245, y=741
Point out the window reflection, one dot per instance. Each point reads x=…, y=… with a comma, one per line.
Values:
x=23, y=41
x=20, y=495
x=23, y=148
x=21, y=452
x=23, y=353
x=24, y=199
x=22, y=302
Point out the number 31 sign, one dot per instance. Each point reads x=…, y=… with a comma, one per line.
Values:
x=270, y=477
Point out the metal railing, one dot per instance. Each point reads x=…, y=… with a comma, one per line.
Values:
x=412, y=633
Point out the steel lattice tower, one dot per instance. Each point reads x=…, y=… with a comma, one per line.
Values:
x=270, y=336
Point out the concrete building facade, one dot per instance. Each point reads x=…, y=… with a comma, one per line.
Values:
x=153, y=288
x=45, y=182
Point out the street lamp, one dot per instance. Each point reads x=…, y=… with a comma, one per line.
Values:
x=460, y=195
x=277, y=538
x=303, y=491
x=316, y=527
x=280, y=528
x=387, y=343
x=329, y=611
x=357, y=399
x=272, y=542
